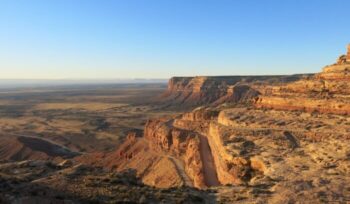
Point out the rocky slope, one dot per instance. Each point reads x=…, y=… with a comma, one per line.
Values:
x=38, y=181
x=153, y=167
x=255, y=154
x=326, y=92
x=18, y=148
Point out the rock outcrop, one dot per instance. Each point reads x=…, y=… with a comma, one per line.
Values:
x=194, y=91
x=154, y=167
x=180, y=143
x=326, y=92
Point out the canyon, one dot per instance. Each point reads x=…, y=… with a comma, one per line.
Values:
x=275, y=135
x=236, y=139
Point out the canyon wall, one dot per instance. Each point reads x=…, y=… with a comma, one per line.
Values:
x=179, y=143
x=326, y=92
x=194, y=91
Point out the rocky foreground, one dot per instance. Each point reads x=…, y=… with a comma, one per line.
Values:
x=258, y=139
x=47, y=182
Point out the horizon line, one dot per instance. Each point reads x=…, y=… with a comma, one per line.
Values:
x=136, y=78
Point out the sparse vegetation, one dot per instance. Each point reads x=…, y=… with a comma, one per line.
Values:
x=77, y=117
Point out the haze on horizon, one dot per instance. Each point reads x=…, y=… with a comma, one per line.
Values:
x=85, y=39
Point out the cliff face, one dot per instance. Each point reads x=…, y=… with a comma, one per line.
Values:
x=192, y=91
x=164, y=137
x=196, y=90
x=326, y=92
x=194, y=139
x=184, y=150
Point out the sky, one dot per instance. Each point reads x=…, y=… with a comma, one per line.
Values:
x=107, y=39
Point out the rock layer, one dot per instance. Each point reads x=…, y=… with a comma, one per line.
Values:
x=326, y=92
x=194, y=91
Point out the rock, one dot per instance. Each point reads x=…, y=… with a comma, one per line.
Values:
x=326, y=92
x=200, y=90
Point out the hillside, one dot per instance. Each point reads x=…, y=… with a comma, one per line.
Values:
x=19, y=148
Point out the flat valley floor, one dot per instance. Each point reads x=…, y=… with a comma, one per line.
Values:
x=83, y=118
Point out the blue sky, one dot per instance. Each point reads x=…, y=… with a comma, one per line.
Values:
x=85, y=39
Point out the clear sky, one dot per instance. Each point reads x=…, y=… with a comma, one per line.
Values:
x=85, y=39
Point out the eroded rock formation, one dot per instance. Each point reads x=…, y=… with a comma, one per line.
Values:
x=258, y=139
x=326, y=92
x=275, y=137
x=194, y=91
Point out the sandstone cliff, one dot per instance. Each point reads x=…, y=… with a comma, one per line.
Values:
x=194, y=91
x=326, y=92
